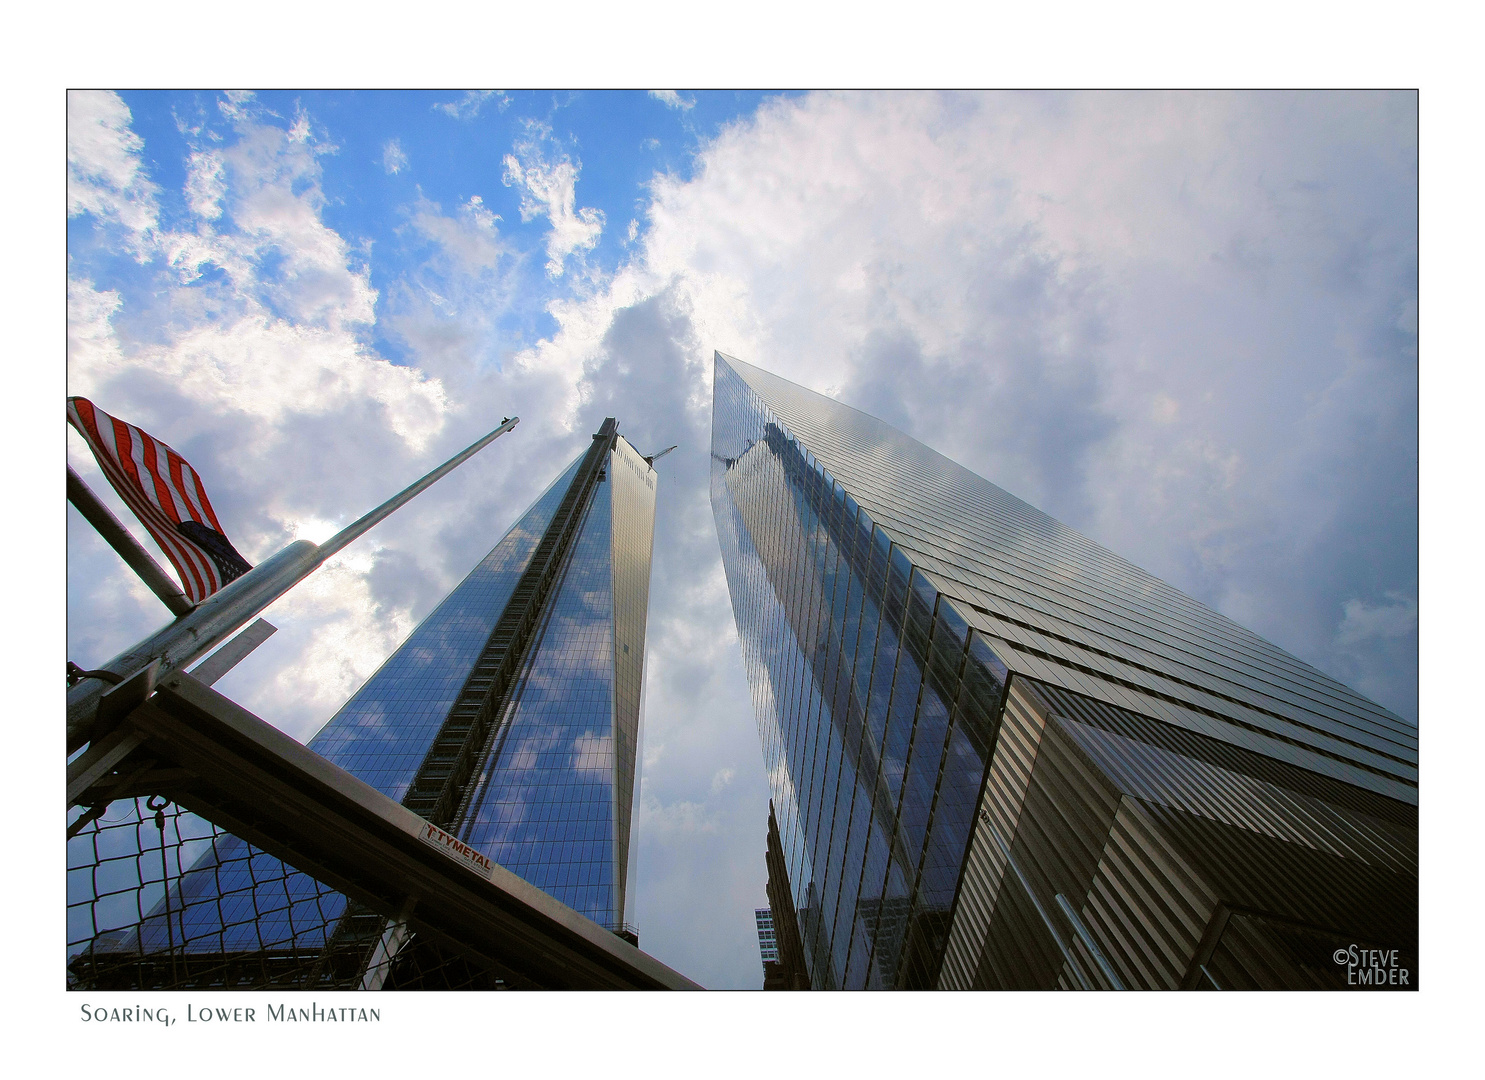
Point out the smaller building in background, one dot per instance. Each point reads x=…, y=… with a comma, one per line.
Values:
x=782, y=948
x=767, y=945
x=773, y=972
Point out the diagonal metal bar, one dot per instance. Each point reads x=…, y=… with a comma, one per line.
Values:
x=233, y=653
x=224, y=611
x=122, y=541
x=99, y=760
x=1086, y=938
x=256, y=782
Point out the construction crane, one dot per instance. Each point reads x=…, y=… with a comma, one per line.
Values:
x=650, y=461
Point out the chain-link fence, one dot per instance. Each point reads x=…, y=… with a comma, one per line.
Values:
x=159, y=899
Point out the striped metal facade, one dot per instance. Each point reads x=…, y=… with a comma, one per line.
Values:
x=1167, y=800
x=1187, y=864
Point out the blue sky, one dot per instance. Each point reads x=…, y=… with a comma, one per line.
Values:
x=386, y=152
x=1184, y=324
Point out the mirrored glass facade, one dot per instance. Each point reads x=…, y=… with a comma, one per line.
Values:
x=552, y=792
x=923, y=647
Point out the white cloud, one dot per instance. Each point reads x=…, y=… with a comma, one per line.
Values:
x=548, y=188
x=105, y=176
x=671, y=99
x=1187, y=315
x=269, y=368
x=299, y=131
x=658, y=820
x=236, y=105
x=273, y=177
x=274, y=343
x=92, y=349
x=469, y=106
x=1164, y=409
x=394, y=159
x=470, y=237
x=340, y=633
x=206, y=184
x=1183, y=324
x=1362, y=623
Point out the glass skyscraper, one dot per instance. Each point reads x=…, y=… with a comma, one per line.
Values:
x=1000, y=756
x=509, y=717
x=768, y=945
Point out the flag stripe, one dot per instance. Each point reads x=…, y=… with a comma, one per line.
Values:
x=179, y=482
x=159, y=486
x=188, y=482
x=175, y=507
x=186, y=561
x=189, y=562
x=144, y=455
x=195, y=577
x=197, y=564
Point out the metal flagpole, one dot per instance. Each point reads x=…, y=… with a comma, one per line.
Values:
x=122, y=541
x=176, y=645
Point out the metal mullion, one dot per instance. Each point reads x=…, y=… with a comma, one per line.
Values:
x=844, y=561
x=879, y=788
x=793, y=705
x=812, y=703
x=951, y=719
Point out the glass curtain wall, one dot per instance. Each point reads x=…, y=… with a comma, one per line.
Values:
x=875, y=703
x=554, y=799
x=883, y=594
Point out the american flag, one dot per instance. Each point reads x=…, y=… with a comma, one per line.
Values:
x=165, y=494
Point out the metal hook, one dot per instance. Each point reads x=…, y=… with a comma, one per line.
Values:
x=159, y=810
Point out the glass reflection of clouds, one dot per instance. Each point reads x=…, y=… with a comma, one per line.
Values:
x=881, y=593
x=554, y=799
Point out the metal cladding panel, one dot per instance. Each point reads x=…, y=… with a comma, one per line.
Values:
x=1208, y=791
x=1072, y=613
x=1217, y=867
x=634, y=483
x=1147, y=907
x=1255, y=952
x=1066, y=809
x=1195, y=747
x=997, y=818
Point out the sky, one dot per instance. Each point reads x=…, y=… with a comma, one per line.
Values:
x=1184, y=324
